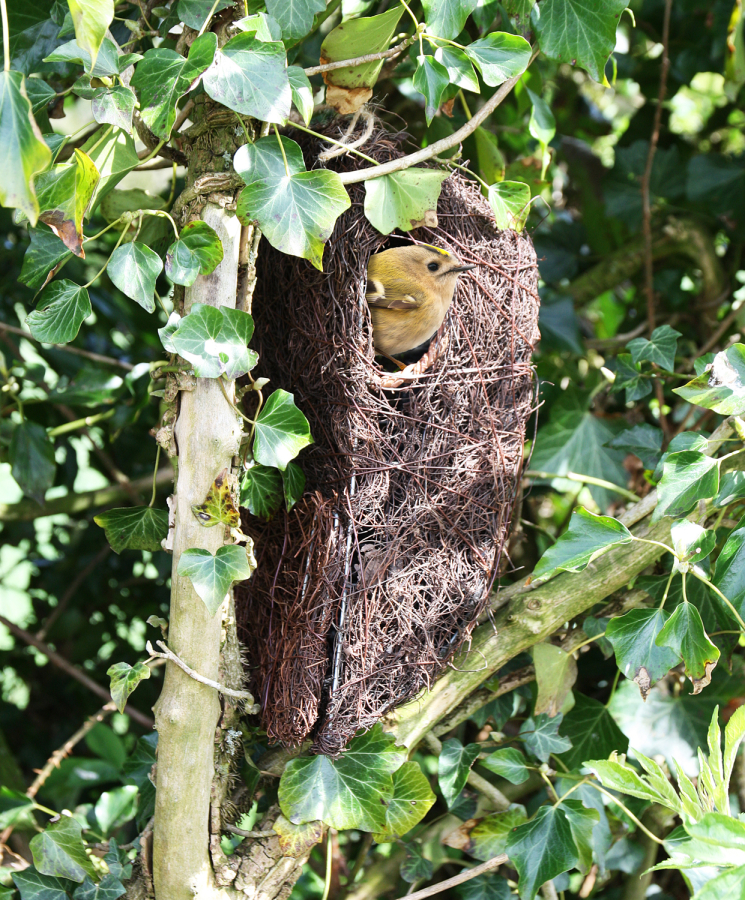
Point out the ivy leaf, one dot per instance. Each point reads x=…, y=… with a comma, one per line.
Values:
x=619, y=775
x=214, y=341
x=731, y=485
x=416, y=866
x=302, y=92
x=542, y=849
x=14, y=807
x=687, y=477
x=541, y=736
x=446, y=18
x=721, y=386
x=633, y=637
x=266, y=28
x=35, y=886
x=218, y=506
x=510, y=201
x=31, y=456
x=487, y=838
x=44, y=257
x=412, y=799
x=499, y=56
x=108, y=61
x=454, y=765
x=509, y=763
x=684, y=634
x=542, y=125
x=691, y=543
x=430, y=79
x=659, y=349
x=59, y=850
x=65, y=194
x=555, y=674
x=134, y=269
x=263, y=159
x=281, y=431
x=261, y=491
x=114, y=808
x=296, y=213
x=574, y=32
x=629, y=376
x=249, y=76
x=211, y=576
x=488, y=886
x=39, y=94
x=582, y=821
x=730, y=570
x=134, y=528
x=24, y=153
x=62, y=309
x=728, y=883
x=114, y=155
x=163, y=76
x=687, y=440
x=198, y=251
x=644, y=441
x=586, y=538
x=91, y=19
x=108, y=888
x=124, y=679
x=404, y=200
x=593, y=733
x=353, y=791
x=460, y=71
x=293, y=484
x=109, y=105
x=296, y=840
x=194, y=12
x=295, y=17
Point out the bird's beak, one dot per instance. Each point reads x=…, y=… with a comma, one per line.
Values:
x=463, y=268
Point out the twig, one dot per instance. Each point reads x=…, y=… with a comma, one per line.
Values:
x=361, y=60
x=183, y=115
x=151, y=142
x=94, y=357
x=494, y=863
x=70, y=669
x=171, y=657
x=71, y=591
x=585, y=479
x=493, y=794
x=250, y=834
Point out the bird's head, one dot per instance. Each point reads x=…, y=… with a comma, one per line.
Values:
x=429, y=266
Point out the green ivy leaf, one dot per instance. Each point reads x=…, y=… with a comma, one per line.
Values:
x=114, y=808
x=659, y=349
x=555, y=674
x=542, y=849
x=446, y=18
x=65, y=194
x=541, y=736
x=31, y=456
x=35, y=886
x=107, y=62
x=59, y=851
x=592, y=731
x=91, y=19
x=416, y=866
x=163, y=76
x=684, y=634
x=114, y=155
x=584, y=540
x=281, y=431
x=488, y=836
x=488, y=886
x=302, y=92
x=250, y=77
x=14, y=807
x=214, y=341
x=633, y=637
x=492, y=166
x=687, y=477
x=731, y=486
x=62, y=309
x=198, y=251
x=582, y=821
x=295, y=17
x=687, y=440
x=412, y=799
x=729, y=883
x=296, y=840
x=24, y=153
x=293, y=484
x=211, y=576
x=261, y=491
x=574, y=32
x=134, y=269
x=353, y=791
x=264, y=27
x=618, y=775
x=730, y=570
x=402, y=199
x=454, y=765
x=194, y=12
x=509, y=763
x=263, y=159
x=460, y=71
x=691, y=543
x=542, y=125
x=628, y=376
x=644, y=441
x=124, y=679
x=134, y=528
x=510, y=201
x=721, y=386
x=108, y=888
x=218, y=506
x=109, y=105
x=430, y=79
x=44, y=257
x=40, y=94
x=499, y=56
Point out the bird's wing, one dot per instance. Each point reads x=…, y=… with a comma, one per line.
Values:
x=377, y=295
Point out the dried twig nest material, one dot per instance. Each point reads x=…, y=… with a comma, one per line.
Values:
x=369, y=585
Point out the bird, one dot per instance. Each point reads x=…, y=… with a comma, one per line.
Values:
x=409, y=291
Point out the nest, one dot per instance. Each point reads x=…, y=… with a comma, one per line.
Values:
x=371, y=583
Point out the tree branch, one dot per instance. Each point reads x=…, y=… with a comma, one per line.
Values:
x=151, y=142
x=493, y=863
x=361, y=60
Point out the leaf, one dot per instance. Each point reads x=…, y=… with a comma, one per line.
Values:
x=114, y=106
x=211, y=576
x=296, y=213
x=281, y=431
x=446, y=18
x=731, y=484
x=659, y=349
x=734, y=732
x=542, y=125
x=578, y=33
x=262, y=491
x=31, y=456
x=415, y=867
x=39, y=94
x=218, y=506
x=487, y=838
x=691, y=543
x=403, y=199
x=687, y=477
x=62, y=309
x=296, y=840
x=717, y=832
x=134, y=269
x=108, y=61
x=65, y=193
x=124, y=679
x=412, y=799
x=114, y=155
x=730, y=570
x=721, y=386
x=44, y=257
x=302, y=93
x=582, y=821
x=593, y=733
x=430, y=79
x=91, y=19
x=492, y=168
x=509, y=763
x=114, y=808
x=629, y=376
x=644, y=441
x=266, y=28
x=555, y=674
x=194, y=12
x=198, y=251
x=460, y=72
x=542, y=849
x=214, y=341
x=108, y=888
x=134, y=528
x=24, y=154
x=499, y=56
x=249, y=76
x=163, y=76
x=352, y=791
x=633, y=637
x=687, y=440
x=454, y=765
x=618, y=775
x=510, y=201
x=684, y=634
x=293, y=483
x=729, y=883
x=35, y=886
x=59, y=850
x=295, y=17
x=586, y=538
x=488, y=886
x=263, y=159
x=14, y=806
x=541, y=736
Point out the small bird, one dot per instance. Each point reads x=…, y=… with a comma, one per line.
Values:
x=409, y=291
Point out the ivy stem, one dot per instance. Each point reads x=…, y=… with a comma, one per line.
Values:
x=613, y=687
x=464, y=103
x=103, y=268
x=667, y=589
x=570, y=791
x=658, y=543
x=595, y=637
x=6, y=36
x=281, y=147
x=332, y=141
x=155, y=477
x=225, y=395
x=416, y=25
x=80, y=423
x=208, y=19
x=716, y=590
x=161, y=213
x=329, y=860
x=586, y=479
x=466, y=169
x=102, y=231
x=153, y=153
x=628, y=812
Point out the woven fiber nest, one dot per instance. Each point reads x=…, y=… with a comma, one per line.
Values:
x=370, y=584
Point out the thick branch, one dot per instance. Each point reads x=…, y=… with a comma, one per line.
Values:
x=151, y=142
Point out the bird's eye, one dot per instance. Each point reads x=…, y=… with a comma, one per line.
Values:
x=433, y=266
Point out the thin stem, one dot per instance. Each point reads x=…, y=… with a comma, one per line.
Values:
x=208, y=19
x=667, y=589
x=172, y=193
x=329, y=861
x=613, y=687
x=362, y=60
x=153, y=153
x=462, y=98
x=628, y=812
x=103, y=268
x=658, y=543
x=466, y=169
x=245, y=130
x=155, y=477
x=80, y=423
x=170, y=656
x=6, y=36
x=493, y=863
x=102, y=231
x=595, y=637
x=163, y=215
x=716, y=590
x=101, y=139
x=323, y=137
x=585, y=479
x=281, y=147
x=570, y=791
x=225, y=395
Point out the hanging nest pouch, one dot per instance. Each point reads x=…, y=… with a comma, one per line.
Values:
x=369, y=585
